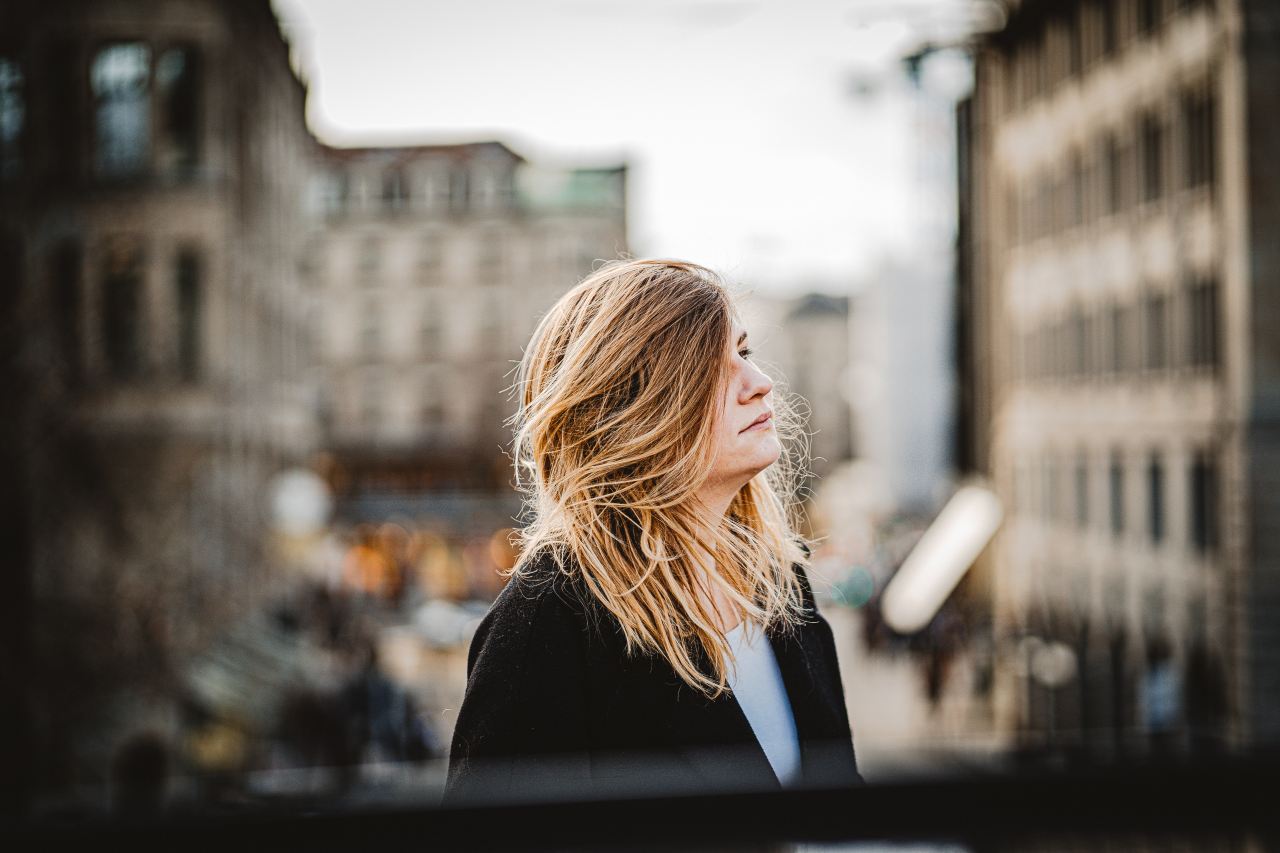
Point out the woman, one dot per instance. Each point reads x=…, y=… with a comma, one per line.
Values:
x=658, y=633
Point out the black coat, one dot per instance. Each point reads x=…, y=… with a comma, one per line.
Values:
x=553, y=707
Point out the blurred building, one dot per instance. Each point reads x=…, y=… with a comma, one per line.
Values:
x=150, y=224
x=430, y=269
x=901, y=384
x=807, y=339
x=816, y=329
x=1118, y=316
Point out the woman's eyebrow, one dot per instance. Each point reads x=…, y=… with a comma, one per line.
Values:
x=742, y=338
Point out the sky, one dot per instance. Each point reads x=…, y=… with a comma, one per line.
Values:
x=772, y=141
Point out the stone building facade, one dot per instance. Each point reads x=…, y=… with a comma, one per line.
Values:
x=429, y=270
x=1121, y=378
x=153, y=165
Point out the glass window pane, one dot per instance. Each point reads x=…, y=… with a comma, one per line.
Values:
x=178, y=87
x=13, y=117
x=120, y=80
x=122, y=308
x=189, y=310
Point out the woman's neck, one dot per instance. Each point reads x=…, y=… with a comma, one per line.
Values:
x=722, y=610
x=715, y=500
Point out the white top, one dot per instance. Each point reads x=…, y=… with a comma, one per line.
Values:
x=761, y=693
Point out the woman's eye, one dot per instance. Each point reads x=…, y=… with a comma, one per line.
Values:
x=747, y=353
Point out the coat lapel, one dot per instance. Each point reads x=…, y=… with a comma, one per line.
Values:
x=717, y=738
x=826, y=748
x=793, y=655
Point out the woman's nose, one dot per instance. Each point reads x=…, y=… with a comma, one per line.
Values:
x=756, y=384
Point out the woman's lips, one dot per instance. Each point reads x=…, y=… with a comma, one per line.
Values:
x=764, y=422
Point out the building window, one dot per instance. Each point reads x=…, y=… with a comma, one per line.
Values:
x=1018, y=484
x=505, y=187
x=1116, y=494
x=1082, y=492
x=1021, y=341
x=1156, y=332
x=1090, y=26
x=64, y=75
x=1075, y=199
x=1152, y=136
x=13, y=117
x=489, y=256
x=430, y=332
x=371, y=331
x=1149, y=14
x=1203, y=489
x=1051, y=490
x=1061, y=349
x=430, y=256
x=178, y=87
x=490, y=323
x=12, y=271
x=395, y=191
x=493, y=403
x=1113, y=168
x=1124, y=339
x=1040, y=64
x=1092, y=336
x=1107, y=361
x=1075, y=44
x=370, y=260
x=120, y=80
x=1045, y=208
x=1110, y=35
x=1199, y=148
x=66, y=266
x=311, y=263
x=486, y=189
x=337, y=193
x=459, y=190
x=370, y=399
x=1155, y=499
x=190, y=308
x=1011, y=214
x=1079, y=351
x=122, y=311
x=432, y=408
x=1202, y=324
x=1030, y=354
x=436, y=187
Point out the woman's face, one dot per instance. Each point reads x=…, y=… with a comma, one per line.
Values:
x=746, y=441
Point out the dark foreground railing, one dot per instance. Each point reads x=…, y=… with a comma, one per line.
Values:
x=1229, y=804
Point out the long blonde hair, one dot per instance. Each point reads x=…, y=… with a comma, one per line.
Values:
x=619, y=395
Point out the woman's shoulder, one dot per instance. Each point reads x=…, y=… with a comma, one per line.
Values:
x=543, y=582
x=542, y=597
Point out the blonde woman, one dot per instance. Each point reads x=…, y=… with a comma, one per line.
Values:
x=658, y=633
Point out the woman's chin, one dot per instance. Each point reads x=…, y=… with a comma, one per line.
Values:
x=768, y=457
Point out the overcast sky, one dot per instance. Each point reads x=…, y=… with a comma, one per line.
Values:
x=771, y=140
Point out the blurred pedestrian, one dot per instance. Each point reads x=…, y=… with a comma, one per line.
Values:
x=659, y=632
x=139, y=775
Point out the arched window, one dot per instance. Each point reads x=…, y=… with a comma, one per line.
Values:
x=65, y=279
x=178, y=75
x=189, y=299
x=13, y=116
x=459, y=190
x=122, y=310
x=395, y=190
x=121, y=81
